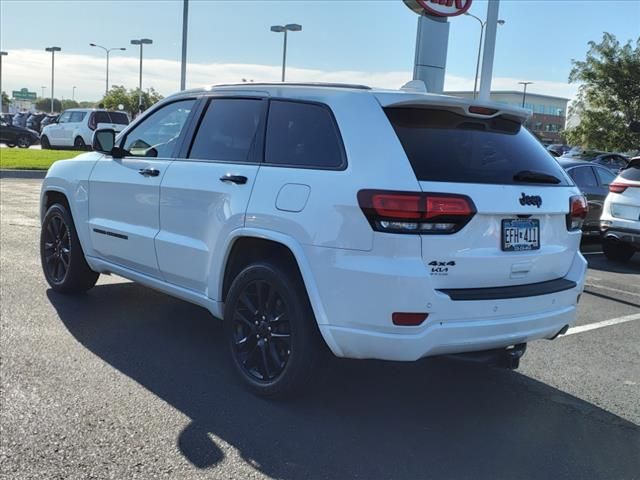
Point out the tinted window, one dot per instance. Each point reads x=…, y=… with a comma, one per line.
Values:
x=158, y=134
x=302, y=134
x=76, y=117
x=631, y=173
x=584, y=177
x=119, y=118
x=64, y=118
x=228, y=130
x=444, y=146
x=605, y=176
x=101, y=117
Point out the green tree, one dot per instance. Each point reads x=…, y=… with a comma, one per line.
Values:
x=87, y=104
x=609, y=95
x=44, y=105
x=119, y=95
x=69, y=104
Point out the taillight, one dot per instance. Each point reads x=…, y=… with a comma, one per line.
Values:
x=578, y=209
x=92, y=122
x=618, y=187
x=404, y=212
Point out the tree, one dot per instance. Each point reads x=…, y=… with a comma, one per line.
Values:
x=609, y=97
x=119, y=95
x=69, y=104
x=44, y=105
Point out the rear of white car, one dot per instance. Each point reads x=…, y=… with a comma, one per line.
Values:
x=620, y=220
x=75, y=127
x=481, y=253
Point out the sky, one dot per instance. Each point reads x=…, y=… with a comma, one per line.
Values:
x=357, y=41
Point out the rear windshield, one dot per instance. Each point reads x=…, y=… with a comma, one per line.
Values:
x=443, y=146
x=119, y=118
x=631, y=173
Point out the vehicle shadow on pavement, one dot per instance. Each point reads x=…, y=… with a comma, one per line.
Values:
x=435, y=418
x=600, y=262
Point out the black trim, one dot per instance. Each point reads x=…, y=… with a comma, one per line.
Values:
x=516, y=291
x=110, y=234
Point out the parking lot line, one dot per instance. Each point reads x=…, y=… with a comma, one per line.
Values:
x=604, y=323
x=611, y=289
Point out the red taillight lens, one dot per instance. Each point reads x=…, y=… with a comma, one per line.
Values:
x=578, y=209
x=92, y=122
x=482, y=110
x=404, y=212
x=408, y=319
x=618, y=187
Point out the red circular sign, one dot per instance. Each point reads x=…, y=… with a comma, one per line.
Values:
x=439, y=8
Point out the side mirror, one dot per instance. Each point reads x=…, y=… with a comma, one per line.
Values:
x=634, y=127
x=104, y=140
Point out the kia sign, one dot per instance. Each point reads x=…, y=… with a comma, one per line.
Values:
x=439, y=8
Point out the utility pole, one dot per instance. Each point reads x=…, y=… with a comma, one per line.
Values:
x=53, y=51
x=185, y=26
x=524, y=93
x=2, y=54
x=489, y=49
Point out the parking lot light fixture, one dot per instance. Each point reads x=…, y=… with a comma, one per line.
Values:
x=482, y=25
x=107, y=51
x=2, y=54
x=524, y=92
x=53, y=51
x=141, y=42
x=290, y=27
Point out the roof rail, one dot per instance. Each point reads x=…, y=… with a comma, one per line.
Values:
x=297, y=84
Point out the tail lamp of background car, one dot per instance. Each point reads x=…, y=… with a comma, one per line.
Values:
x=618, y=187
x=578, y=209
x=420, y=213
x=92, y=122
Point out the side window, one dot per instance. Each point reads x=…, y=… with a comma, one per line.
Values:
x=65, y=117
x=605, y=176
x=584, y=177
x=76, y=117
x=158, y=134
x=302, y=134
x=101, y=117
x=228, y=130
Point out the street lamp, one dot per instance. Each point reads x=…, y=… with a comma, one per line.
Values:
x=53, y=51
x=290, y=27
x=141, y=42
x=73, y=93
x=524, y=93
x=43, y=89
x=2, y=54
x=107, y=51
x=185, y=26
x=482, y=25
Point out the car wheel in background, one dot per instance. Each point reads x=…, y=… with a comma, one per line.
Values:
x=24, y=142
x=79, y=143
x=44, y=142
x=616, y=250
x=11, y=145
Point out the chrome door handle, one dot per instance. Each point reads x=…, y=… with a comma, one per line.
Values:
x=149, y=172
x=239, y=179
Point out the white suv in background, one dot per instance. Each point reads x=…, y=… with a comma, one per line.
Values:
x=620, y=220
x=381, y=224
x=75, y=127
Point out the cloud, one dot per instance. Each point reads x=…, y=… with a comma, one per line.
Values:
x=31, y=69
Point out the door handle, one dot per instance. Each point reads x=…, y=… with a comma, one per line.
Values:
x=149, y=172
x=239, y=179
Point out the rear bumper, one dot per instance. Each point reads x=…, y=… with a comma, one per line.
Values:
x=626, y=235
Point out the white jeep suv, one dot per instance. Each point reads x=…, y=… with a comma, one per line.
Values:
x=381, y=224
x=620, y=219
x=75, y=127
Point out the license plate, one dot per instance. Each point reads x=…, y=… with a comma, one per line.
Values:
x=520, y=234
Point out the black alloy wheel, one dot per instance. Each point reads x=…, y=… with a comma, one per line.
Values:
x=23, y=142
x=57, y=248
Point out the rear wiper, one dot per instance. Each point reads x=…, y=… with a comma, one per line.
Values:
x=528, y=176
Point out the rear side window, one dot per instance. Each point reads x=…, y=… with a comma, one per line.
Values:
x=302, y=135
x=119, y=118
x=605, y=176
x=443, y=146
x=101, y=117
x=583, y=176
x=228, y=130
x=631, y=173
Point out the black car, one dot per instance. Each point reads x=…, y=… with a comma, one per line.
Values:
x=593, y=180
x=613, y=161
x=557, y=149
x=33, y=122
x=22, y=137
x=20, y=119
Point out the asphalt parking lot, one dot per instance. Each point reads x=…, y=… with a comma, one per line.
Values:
x=124, y=383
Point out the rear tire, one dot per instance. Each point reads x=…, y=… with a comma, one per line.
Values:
x=61, y=255
x=11, y=145
x=23, y=142
x=271, y=331
x=79, y=144
x=616, y=250
x=44, y=143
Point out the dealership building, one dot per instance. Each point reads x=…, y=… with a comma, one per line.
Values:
x=548, y=113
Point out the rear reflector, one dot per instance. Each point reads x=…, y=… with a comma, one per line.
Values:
x=618, y=187
x=578, y=209
x=407, y=212
x=408, y=319
x=482, y=110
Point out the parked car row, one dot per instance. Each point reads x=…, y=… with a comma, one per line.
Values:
x=12, y=135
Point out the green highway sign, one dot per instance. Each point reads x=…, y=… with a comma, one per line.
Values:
x=24, y=94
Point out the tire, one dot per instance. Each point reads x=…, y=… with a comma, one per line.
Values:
x=617, y=251
x=44, y=142
x=271, y=331
x=11, y=145
x=79, y=144
x=23, y=142
x=61, y=255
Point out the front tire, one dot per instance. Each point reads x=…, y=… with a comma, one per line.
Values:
x=617, y=251
x=11, y=145
x=44, y=143
x=23, y=142
x=61, y=255
x=271, y=330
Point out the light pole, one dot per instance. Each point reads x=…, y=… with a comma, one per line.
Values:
x=482, y=25
x=73, y=93
x=43, y=89
x=53, y=51
x=290, y=27
x=141, y=42
x=185, y=25
x=524, y=93
x=107, y=51
x=2, y=54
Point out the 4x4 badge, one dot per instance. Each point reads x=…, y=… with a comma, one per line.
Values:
x=531, y=200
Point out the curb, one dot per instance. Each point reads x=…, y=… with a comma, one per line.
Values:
x=10, y=173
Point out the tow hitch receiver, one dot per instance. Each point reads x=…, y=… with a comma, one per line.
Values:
x=500, y=357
